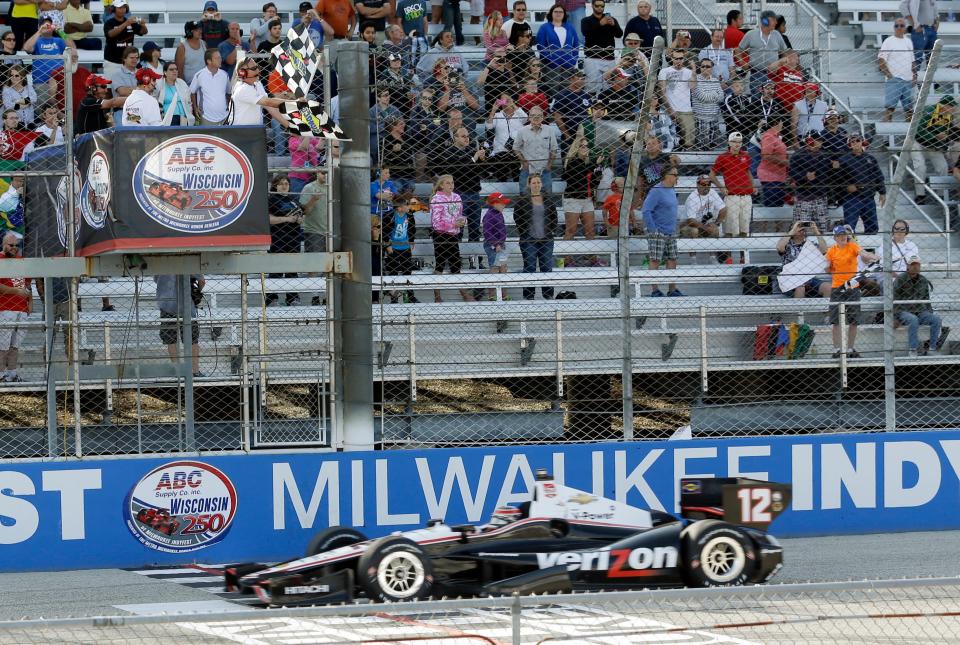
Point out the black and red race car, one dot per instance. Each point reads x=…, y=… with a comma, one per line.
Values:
x=561, y=540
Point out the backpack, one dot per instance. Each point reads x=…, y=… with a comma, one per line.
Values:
x=758, y=280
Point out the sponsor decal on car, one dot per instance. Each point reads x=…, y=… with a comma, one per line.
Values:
x=582, y=498
x=181, y=506
x=194, y=183
x=691, y=486
x=618, y=563
x=95, y=195
x=302, y=589
x=587, y=515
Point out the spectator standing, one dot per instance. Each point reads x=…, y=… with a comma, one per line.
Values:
x=461, y=160
x=23, y=20
x=495, y=236
x=809, y=171
x=413, y=18
x=532, y=97
x=774, y=163
x=535, y=215
x=447, y=222
x=78, y=25
x=645, y=25
x=124, y=78
x=260, y=27
x=899, y=66
x=521, y=58
x=210, y=91
x=268, y=42
x=16, y=303
x=782, y=29
x=141, y=107
x=230, y=47
x=570, y=108
x=761, y=111
x=682, y=43
x=494, y=37
x=190, y=52
x=842, y=264
x=622, y=98
x=924, y=21
x=901, y=247
x=721, y=56
x=834, y=146
x=791, y=245
x=654, y=162
x=95, y=108
x=313, y=201
x=611, y=209
x=400, y=231
x=453, y=92
x=861, y=179
x=559, y=48
x=736, y=106
x=582, y=175
x=45, y=42
x=703, y=211
x=934, y=135
x=214, y=28
x=119, y=32
x=18, y=94
x=496, y=79
x=174, y=97
x=286, y=218
x=707, y=96
x=913, y=285
x=576, y=10
x=379, y=113
x=426, y=128
x=340, y=15
x=505, y=120
x=808, y=113
x=382, y=191
x=600, y=31
x=789, y=79
x=395, y=153
x=660, y=222
x=318, y=29
x=49, y=126
x=452, y=19
x=763, y=46
x=737, y=189
x=676, y=85
x=661, y=126
x=536, y=147
x=170, y=304
x=733, y=34
x=517, y=22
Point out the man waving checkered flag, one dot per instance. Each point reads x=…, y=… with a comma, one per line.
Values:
x=296, y=59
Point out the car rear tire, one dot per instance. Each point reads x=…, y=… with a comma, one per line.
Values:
x=334, y=538
x=719, y=556
x=395, y=569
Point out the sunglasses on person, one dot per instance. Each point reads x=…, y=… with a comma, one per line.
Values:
x=899, y=25
x=899, y=229
x=706, y=65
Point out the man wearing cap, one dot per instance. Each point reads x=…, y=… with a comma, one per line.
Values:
x=213, y=27
x=764, y=46
x=717, y=53
x=78, y=24
x=933, y=138
x=210, y=91
x=861, y=178
x=316, y=26
x=631, y=45
x=899, y=66
x=340, y=15
x=703, y=211
x=190, y=51
x=646, y=26
x=600, y=31
x=914, y=286
x=676, y=84
x=809, y=172
x=621, y=98
x=141, y=107
x=738, y=188
x=842, y=264
x=45, y=42
x=835, y=145
x=807, y=115
x=96, y=105
x=119, y=32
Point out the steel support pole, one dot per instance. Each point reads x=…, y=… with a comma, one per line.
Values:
x=187, y=339
x=71, y=215
x=885, y=224
x=49, y=334
x=623, y=239
x=352, y=305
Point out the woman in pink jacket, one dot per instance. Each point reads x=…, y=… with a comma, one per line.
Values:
x=447, y=220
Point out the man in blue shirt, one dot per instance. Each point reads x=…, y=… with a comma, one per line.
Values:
x=230, y=47
x=660, y=221
x=317, y=28
x=46, y=42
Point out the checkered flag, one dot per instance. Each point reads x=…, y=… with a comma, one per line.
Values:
x=309, y=120
x=296, y=59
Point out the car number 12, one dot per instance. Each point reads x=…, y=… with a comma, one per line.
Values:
x=754, y=505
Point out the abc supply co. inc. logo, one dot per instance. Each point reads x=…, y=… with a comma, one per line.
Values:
x=194, y=183
x=181, y=506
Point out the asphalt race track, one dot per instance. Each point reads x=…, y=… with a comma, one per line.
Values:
x=114, y=592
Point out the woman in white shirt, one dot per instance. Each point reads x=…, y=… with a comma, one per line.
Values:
x=900, y=247
x=174, y=97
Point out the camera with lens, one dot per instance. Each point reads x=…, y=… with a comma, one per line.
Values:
x=456, y=78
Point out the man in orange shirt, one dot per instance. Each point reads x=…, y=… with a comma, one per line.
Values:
x=340, y=15
x=842, y=265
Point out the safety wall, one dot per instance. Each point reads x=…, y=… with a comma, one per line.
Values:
x=134, y=512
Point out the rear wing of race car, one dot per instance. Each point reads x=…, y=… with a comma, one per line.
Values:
x=738, y=500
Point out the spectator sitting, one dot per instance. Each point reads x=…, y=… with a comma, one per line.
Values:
x=522, y=56
x=536, y=147
x=676, y=84
x=707, y=97
x=582, y=175
x=703, y=211
x=379, y=113
x=631, y=46
x=399, y=234
x=210, y=91
x=447, y=221
x=190, y=52
x=49, y=128
x=722, y=57
x=260, y=27
x=913, y=285
x=45, y=42
x=11, y=205
x=494, y=37
x=452, y=90
x=532, y=97
x=621, y=98
x=934, y=134
x=495, y=78
x=14, y=141
x=862, y=178
x=316, y=27
x=902, y=248
x=174, y=97
x=789, y=79
x=400, y=47
x=661, y=126
x=790, y=247
x=646, y=26
x=150, y=57
x=612, y=205
x=842, y=260
x=772, y=171
x=660, y=223
x=214, y=29
x=738, y=189
x=559, y=47
x=495, y=236
x=119, y=32
x=286, y=217
x=95, y=108
x=78, y=24
x=808, y=113
x=588, y=128
x=443, y=50
x=899, y=66
x=809, y=170
x=570, y=108
x=535, y=215
x=229, y=48
x=18, y=94
x=505, y=120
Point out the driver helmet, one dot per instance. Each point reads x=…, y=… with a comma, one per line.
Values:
x=503, y=515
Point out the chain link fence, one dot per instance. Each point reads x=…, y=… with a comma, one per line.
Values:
x=852, y=612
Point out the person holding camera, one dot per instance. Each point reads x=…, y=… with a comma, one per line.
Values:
x=230, y=47
x=119, y=32
x=213, y=28
x=600, y=31
x=794, y=244
x=505, y=120
x=317, y=28
x=45, y=42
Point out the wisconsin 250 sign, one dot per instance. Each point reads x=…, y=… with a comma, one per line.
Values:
x=181, y=506
x=194, y=183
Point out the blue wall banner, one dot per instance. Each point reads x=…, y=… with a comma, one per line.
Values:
x=134, y=512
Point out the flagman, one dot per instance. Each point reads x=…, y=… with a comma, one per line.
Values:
x=249, y=98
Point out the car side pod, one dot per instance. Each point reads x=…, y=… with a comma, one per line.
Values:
x=296, y=590
x=552, y=580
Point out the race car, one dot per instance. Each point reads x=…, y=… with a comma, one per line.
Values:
x=561, y=540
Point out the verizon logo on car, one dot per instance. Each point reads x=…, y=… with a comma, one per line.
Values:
x=619, y=563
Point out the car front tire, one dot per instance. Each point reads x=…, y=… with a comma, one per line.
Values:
x=721, y=555
x=395, y=569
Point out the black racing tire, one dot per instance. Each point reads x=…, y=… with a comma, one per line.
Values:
x=395, y=569
x=333, y=538
x=721, y=555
